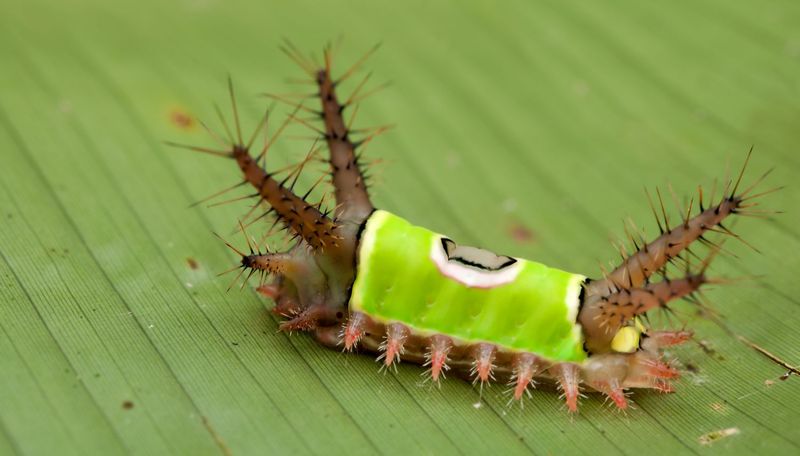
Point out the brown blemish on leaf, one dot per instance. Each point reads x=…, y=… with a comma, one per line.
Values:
x=127, y=405
x=180, y=118
x=711, y=437
x=193, y=264
x=521, y=233
x=709, y=350
x=217, y=439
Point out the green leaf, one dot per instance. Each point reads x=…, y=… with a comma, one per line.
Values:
x=526, y=127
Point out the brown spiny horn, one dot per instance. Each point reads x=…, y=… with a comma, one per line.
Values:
x=626, y=291
x=652, y=257
x=304, y=219
x=348, y=181
x=616, y=309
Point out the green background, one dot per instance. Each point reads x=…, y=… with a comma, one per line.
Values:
x=526, y=127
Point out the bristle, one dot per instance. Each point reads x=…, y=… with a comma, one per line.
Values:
x=291, y=51
x=218, y=193
x=655, y=214
x=741, y=174
x=662, y=370
x=326, y=57
x=568, y=377
x=289, y=102
x=214, y=135
x=688, y=213
x=752, y=186
x=615, y=392
x=307, y=123
x=526, y=366
x=438, y=348
x=350, y=71
x=356, y=90
x=224, y=122
x=235, y=279
x=233, y=200
x=656, y=340
x=262, y=125
x=663, y=210
x=359, y=98
x=307, y=319
x=236, y=122
x=269, y=141
x=483, y=363
x=647, y=370
x=354, y=330
x=663, y=387
x=205, y=150
x=393, y=345
x=230, y=246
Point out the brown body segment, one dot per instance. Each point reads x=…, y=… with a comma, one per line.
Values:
x=312, y=279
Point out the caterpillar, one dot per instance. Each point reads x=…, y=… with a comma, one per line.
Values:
x=360, y=278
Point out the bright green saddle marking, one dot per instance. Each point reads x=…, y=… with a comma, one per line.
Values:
x=398, y=281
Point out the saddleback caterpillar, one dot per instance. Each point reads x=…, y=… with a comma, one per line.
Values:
x=358, y=277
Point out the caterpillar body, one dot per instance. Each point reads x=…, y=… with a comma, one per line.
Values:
x=361, y=278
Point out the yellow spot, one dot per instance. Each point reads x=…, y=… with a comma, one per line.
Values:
x=626, y=340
